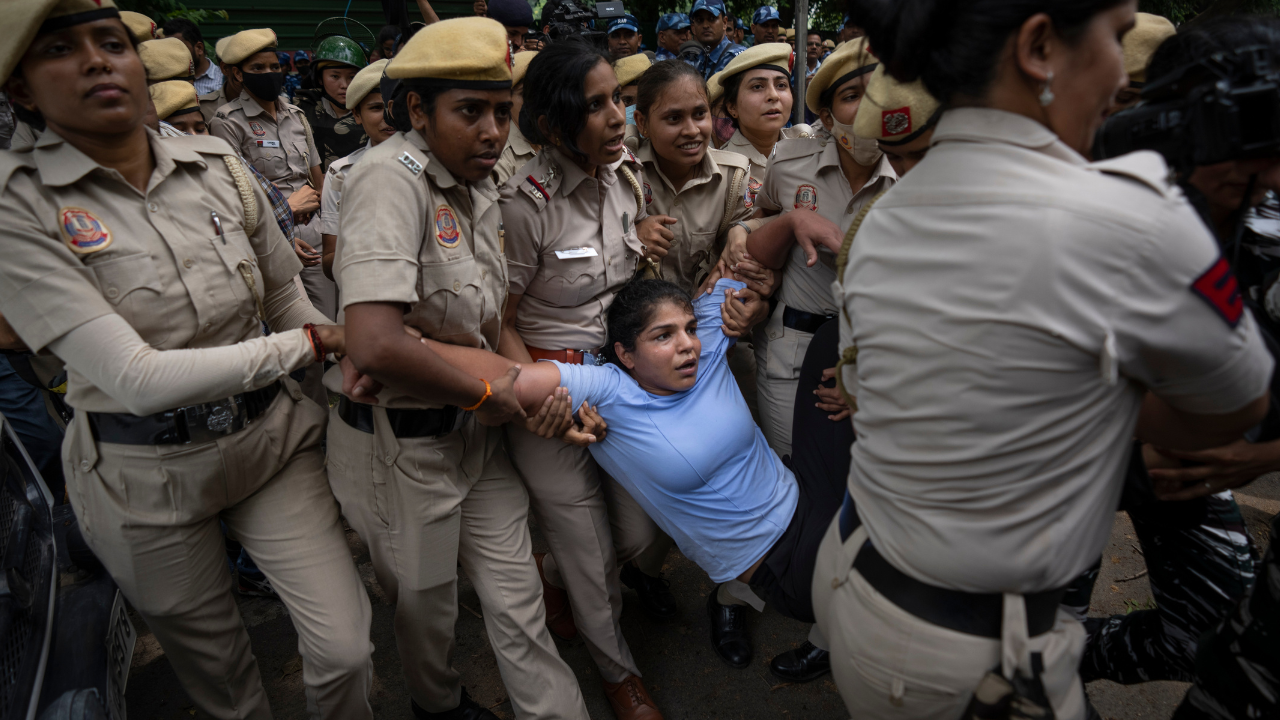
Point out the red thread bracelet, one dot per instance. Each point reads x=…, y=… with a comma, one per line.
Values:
x=488, y=391
x=317, y=345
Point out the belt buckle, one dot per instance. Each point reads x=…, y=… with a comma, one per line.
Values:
x=211, y=419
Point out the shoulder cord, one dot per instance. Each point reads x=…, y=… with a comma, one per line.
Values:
x=311, y=140
x=849, y=355
x=646, y=267
x=731, y=200
x=245, y=187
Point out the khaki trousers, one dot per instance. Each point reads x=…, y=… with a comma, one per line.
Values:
x=424, y=505
x=592, y=525
x=889, y=663
x=151, y=512
x=779, y=355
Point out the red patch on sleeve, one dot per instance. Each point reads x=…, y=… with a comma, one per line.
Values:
x=1217, y=286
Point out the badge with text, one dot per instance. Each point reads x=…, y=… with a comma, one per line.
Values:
x=1218, y=287
x=895, y=122
x=447, y=232
x=578, y=252
x=256, y=128
x=648, y=195
x=806, y=197
x=83, y=232
x=269, y=143
x=749, y=197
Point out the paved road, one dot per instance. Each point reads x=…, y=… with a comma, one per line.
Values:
x=683, y=673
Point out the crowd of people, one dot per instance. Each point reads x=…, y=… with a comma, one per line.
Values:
x=891, y=371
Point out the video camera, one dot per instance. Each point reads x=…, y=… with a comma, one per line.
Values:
x=566, y=18
x=1225, y=107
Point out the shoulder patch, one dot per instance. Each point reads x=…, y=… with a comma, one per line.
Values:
x=410, y=162
x=730, y=158
x=1217, y=286
x=535, y=190
x=1146, y=166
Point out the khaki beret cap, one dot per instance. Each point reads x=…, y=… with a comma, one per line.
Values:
x=520, y=65
x=779, y=56
x=166, y=59
x=1141, y=42
x=172, y=97
x=220, y=47
x=630, y=68
x=24, y=20
x=849, y=57
x=462, y=52
x=366, y=81
x=142, y=27
x=245, y=44
x=894, y=112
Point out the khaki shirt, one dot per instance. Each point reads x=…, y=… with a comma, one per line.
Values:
x=739, y=143
x=698, y=207
x=1012, y=304
x=84, y=244
x=515, y=154
x=571, y=245
x=410, y=233
x=210, y=103
x=282, y=149
x=331, y=196
x=805, y=174
x=24, y=137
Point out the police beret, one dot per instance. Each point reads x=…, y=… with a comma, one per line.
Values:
x=777, y=56
x=462, y=52
x=166, y=59
x=221, y=47
x=630, y=68
x=173, y=97
x=24, y=20
x=142, y=27
x=245, y=44
x=841, y=66
x=365, y=82
x=894, y=112
x=512, y=13
x=1140, y=43
x=520, y=65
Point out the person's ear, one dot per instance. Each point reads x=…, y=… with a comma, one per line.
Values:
x=545, y=128
x=417, y=114
x=642, y=123
x=625, y=356
x=828, y=120
x=237, y=73
x=19, y=92
x=1033, y=47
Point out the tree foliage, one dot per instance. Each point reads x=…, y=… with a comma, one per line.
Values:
x=162, y=10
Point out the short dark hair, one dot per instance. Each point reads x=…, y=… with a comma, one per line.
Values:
x=954, y=45
x=633, y=308
x=388, y=32
x=1200, y=40
x=656, y=79
x=733, y=84
x=553, y=88
x=184, y=27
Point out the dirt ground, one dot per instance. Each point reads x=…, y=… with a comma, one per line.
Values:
x=682, y=672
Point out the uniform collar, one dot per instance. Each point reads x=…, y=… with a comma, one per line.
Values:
x=743, y=146
x=518, y=142
x=985, y=125
x=440, y=175
x=574, y=176
x=252, y=108
x=707, y=170
x=60, y=163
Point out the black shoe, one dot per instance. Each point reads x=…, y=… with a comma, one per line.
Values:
x=655, y=593
x=729, y=631
x=466, y=710
x=804, y=664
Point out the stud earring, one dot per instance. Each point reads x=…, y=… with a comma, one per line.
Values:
x=1046, y=95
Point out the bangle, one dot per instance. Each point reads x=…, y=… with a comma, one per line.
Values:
x=742, y=224
x=487, y=392
x=317, y=345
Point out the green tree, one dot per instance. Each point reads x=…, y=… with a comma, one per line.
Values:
x=162, y=10
x=1181, y=11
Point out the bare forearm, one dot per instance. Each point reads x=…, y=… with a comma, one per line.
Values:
x=536, y=381
x=428, y=13
x=510, y=344
x=329, y=245
x=770, y=243
x=1165, y=426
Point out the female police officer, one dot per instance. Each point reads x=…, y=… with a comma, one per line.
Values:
x=148, y=266
x=1017, y=315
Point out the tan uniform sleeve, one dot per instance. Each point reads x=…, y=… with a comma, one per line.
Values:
x=766, y=199
x=523, y=229
x=329, y=201
x=380, y=232
x=229, y=131
x=313, y=155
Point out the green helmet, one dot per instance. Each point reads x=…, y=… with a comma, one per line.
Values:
x=337, y=48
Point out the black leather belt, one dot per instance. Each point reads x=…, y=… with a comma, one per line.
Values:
x=804, y=321
x=979, y=614
x=405, y=423
x=194, y=423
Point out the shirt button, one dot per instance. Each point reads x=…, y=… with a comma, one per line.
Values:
x=390, y=459
x=153, y=207
x=835, y=583
x=84, y=465
x=187, y=263
x=112, y=292
x=208, y=327
x=483, y=274
x=457, y=286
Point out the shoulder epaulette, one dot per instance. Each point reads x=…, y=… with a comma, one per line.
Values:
x=205, y=144
x=540, y=188
x=730, y=158
x=1147, y=167
x=789, y=148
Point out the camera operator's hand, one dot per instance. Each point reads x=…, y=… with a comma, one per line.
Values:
x=1217, y=469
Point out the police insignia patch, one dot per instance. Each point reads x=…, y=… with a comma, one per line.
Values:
x=749, y=197
x=1217, y=286
x=408, y=161
x=256, y=128
x=537, y=189
x=806, y=197
x=895, y=122
x=83, y=232
x=447, y=232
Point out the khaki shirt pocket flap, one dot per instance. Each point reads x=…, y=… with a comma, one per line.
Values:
x=453, y=294
x=570, y=282
x=121, y=276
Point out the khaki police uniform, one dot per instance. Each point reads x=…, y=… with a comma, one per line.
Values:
x=515, y=154
x=1013, y=305
x=331, y=196
x=805, y=175
x=283, y=150
x=210, y=103
x=571, y=245
x=739, y=143
x=409, y=233
x=87, y=248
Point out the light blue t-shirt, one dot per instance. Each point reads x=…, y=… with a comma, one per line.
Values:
x=695, y=460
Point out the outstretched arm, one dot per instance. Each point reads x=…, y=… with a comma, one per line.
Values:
x=770, y=244
x=537, y=380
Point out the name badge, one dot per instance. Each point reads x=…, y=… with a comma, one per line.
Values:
x=269, y=143
x=580, y=252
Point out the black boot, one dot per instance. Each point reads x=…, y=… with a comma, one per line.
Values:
x=468, y=709
x=729, y=631
x=655, y=593
x=804, y=664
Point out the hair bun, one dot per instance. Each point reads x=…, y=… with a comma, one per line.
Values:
x=905, y=34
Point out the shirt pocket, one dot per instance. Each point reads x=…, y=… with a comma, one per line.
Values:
x=271, y=162
x=132, y=285
x=451, y=292
x=235, y=251
x=570, y=282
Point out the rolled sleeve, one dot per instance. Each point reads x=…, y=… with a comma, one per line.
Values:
x=380, y=235
x=765, y=197
x=596, y=385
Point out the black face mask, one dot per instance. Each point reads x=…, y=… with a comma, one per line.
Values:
x=264, y=86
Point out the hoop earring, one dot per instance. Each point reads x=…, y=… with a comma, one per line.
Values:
x=1046, y=94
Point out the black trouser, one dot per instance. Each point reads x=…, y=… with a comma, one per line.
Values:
x=820, y=461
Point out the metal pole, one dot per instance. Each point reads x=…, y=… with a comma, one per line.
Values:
x=802, y=59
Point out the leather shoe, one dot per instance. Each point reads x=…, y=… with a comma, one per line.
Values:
x=729, y=631
x=468, y=709
x=801, y=665
x=559, y=614
x=631, y=701
x=655, y=593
